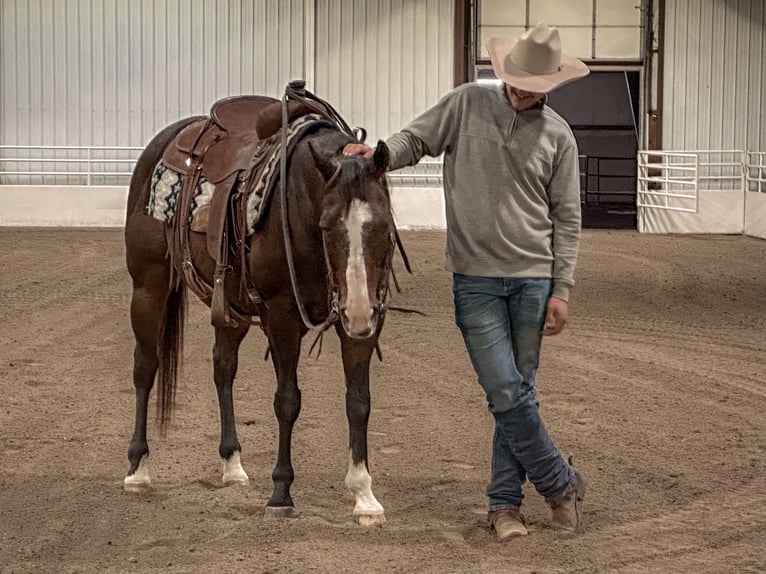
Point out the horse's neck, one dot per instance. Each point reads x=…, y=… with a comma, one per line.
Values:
x=305, y=187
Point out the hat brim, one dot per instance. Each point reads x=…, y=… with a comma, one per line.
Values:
x=499, y=48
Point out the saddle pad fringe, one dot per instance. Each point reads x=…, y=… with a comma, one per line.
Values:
x=163, y=196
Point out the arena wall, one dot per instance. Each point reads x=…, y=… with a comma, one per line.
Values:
x=104, y=206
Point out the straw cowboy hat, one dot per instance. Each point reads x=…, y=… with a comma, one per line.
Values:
x=534, y=61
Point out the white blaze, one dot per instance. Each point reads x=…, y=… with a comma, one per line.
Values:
x=358, y=310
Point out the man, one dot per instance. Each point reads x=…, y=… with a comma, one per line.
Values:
x=512, y=200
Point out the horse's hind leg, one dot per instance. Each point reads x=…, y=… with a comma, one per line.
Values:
x=147, y=310
x=225, y=360
x=356, y=366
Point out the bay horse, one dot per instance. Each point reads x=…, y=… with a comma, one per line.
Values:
x=322, y=257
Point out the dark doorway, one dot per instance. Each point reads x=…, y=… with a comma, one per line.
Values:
x=602, y=110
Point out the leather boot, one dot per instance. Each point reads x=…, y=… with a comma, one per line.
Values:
x=507, y=523
x=566, y=511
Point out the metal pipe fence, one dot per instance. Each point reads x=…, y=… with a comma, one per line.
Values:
x=112, y=165
x=66, y=165
x=661, y=174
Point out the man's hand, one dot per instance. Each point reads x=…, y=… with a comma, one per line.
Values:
x=555, y=316
x=358, y=149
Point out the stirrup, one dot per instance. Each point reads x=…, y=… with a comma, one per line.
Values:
x=220, y=314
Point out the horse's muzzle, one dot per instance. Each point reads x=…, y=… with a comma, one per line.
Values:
x=358, y=326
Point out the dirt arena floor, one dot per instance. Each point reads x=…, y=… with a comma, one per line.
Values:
x=658, y=386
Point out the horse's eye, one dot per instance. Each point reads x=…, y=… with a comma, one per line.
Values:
x=332, y=230
x=329, y=219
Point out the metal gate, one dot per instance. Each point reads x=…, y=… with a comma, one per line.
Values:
x=699, y=191
x=668, y=180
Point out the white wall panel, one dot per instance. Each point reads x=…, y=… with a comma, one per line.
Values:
x=114, y=72
x=589, y=29
x=715, y=70
x=382, y=62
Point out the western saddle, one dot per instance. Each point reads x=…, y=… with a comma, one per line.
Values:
x=229, y=149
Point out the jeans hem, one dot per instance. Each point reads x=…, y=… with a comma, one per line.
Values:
x=566, y=492
x=494, y=507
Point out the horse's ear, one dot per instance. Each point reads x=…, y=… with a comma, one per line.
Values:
x=327, y=165
x=380, y=159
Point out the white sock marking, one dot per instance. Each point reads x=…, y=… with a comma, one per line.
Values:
x=359, y=482
x=233, y=473
x=139, y=479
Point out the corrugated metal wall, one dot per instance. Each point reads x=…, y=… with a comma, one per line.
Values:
x=715, y=75
x=382, y=62
x=114, y=72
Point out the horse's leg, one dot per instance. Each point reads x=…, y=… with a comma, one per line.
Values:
x=147, y=312
x=356, y=366
x=285, y=342
x=225, y=360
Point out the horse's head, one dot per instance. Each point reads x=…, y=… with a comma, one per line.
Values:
x=358, y=235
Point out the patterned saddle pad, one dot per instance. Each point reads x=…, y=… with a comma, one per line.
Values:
x=166, y=183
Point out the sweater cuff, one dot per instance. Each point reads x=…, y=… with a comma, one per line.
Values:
x=561, y=290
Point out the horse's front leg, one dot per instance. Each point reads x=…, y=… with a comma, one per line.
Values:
x=285, y=336
x=356, y=366
x=225, y=361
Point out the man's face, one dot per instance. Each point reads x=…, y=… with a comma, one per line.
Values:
x=521, y=99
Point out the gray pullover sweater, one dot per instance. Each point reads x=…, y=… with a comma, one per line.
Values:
x=511, y=184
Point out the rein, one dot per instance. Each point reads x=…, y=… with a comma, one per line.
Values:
x=296, y=90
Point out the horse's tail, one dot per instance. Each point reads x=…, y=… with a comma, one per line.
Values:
x=146, y=242
x=170, y=353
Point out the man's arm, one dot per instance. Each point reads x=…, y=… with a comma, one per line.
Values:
x=564, y=196
x=431, y=133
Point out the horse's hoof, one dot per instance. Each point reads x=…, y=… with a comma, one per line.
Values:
x=135, y=483
x=279, y=512
x=233, y=473
x=370, y=519
x=236, y=480
x=138, y=481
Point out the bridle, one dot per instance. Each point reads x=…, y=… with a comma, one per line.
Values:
x=296, y=90
x=382, y=298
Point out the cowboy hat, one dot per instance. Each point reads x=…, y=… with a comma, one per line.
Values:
x=534, y=62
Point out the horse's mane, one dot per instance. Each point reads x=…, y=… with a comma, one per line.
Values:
x=355, y=171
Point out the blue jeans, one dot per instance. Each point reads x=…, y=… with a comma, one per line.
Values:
x=501, y=320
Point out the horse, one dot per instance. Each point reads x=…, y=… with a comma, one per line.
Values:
x=321, y=258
